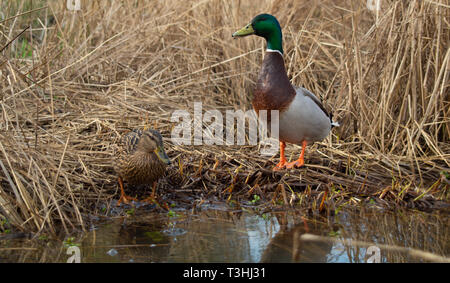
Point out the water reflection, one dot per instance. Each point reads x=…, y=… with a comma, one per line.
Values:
x=287, y=245
x=227, y=236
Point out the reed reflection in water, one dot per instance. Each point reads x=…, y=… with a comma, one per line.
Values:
x=227, y=236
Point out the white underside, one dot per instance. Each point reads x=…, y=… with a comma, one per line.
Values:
x=304, y=120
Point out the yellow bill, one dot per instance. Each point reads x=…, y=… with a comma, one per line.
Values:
x=247, y=30
x=161, y=153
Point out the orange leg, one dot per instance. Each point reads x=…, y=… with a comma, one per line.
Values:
x=283, y=160
x=151, y=198
x=123, y=197
x=300, y=162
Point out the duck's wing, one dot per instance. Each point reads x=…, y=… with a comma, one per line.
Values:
x=314, y=98
x=128, y=142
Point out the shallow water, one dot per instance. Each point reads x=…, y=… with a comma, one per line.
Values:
x=221, y=235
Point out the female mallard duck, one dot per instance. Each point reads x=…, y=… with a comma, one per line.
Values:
x=302, y=118
x=140, y=159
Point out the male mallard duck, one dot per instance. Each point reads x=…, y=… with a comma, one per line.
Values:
x=140, y=159
x=302, y=118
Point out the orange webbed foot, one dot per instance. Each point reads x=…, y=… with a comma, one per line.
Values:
x=280, y=166
x=149, y=200
x=125, y=199
x=152, y=198
x=298, y=163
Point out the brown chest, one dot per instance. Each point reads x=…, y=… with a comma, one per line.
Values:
x=140, y=169
x=273, y=90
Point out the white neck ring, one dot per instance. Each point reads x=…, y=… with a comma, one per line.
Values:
x=272, y=50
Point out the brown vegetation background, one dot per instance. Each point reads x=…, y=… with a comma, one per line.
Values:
x=74, y=81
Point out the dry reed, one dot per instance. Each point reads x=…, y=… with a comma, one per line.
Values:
x=74, y=81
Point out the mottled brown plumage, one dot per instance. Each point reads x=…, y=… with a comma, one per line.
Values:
x=140, y=159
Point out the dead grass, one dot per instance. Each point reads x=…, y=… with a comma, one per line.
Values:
x=73, y=82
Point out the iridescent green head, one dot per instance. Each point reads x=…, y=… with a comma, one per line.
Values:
x=266, y=26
